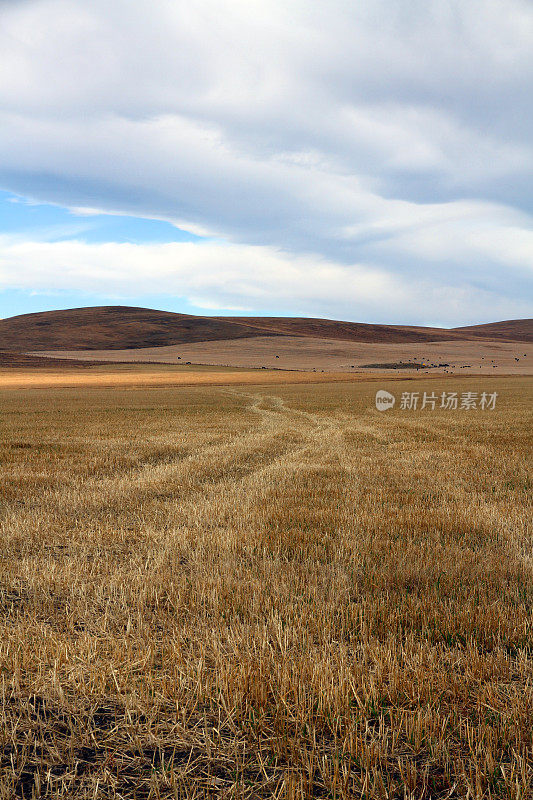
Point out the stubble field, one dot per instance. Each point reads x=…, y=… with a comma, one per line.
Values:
x=278, y=591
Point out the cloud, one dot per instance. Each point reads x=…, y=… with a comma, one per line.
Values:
x=242, y=277
x=394, y=136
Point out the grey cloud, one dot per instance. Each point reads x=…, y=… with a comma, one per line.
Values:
x=285, y=125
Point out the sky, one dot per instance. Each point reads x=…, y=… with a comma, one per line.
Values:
x=367, y=160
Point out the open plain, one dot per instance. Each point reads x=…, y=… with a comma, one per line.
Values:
x=481, y=357
x=265, y=591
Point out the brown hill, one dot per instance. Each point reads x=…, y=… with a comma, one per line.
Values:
x=125, y=327
x=516, y=330
x=112, y=328
x=346, y=331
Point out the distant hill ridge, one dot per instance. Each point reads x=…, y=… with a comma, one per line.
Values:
x=124, y=327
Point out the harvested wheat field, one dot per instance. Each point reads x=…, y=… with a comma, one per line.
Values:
x=266, y=591
x=139, y=375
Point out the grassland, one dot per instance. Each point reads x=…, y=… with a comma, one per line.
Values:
x=151, y=375
x=246, y=591
x=474, y=357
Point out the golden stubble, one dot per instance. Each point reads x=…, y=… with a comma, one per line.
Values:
x=265, y=592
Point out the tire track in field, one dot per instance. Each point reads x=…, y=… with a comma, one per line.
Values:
x=186, y=479
x=188, y=489
x=273, y=406
x=231, y=509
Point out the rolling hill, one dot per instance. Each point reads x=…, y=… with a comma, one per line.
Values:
x=125, y=327
x=112, y=328
x=516, y=330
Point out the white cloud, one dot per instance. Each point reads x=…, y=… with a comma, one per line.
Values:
x=397, y=136
x=213, y=276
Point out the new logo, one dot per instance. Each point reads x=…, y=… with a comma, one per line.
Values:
x=384, y=400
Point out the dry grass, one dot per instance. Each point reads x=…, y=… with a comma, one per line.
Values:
x=278, y=592
x=137, y=375
x=476, y=357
